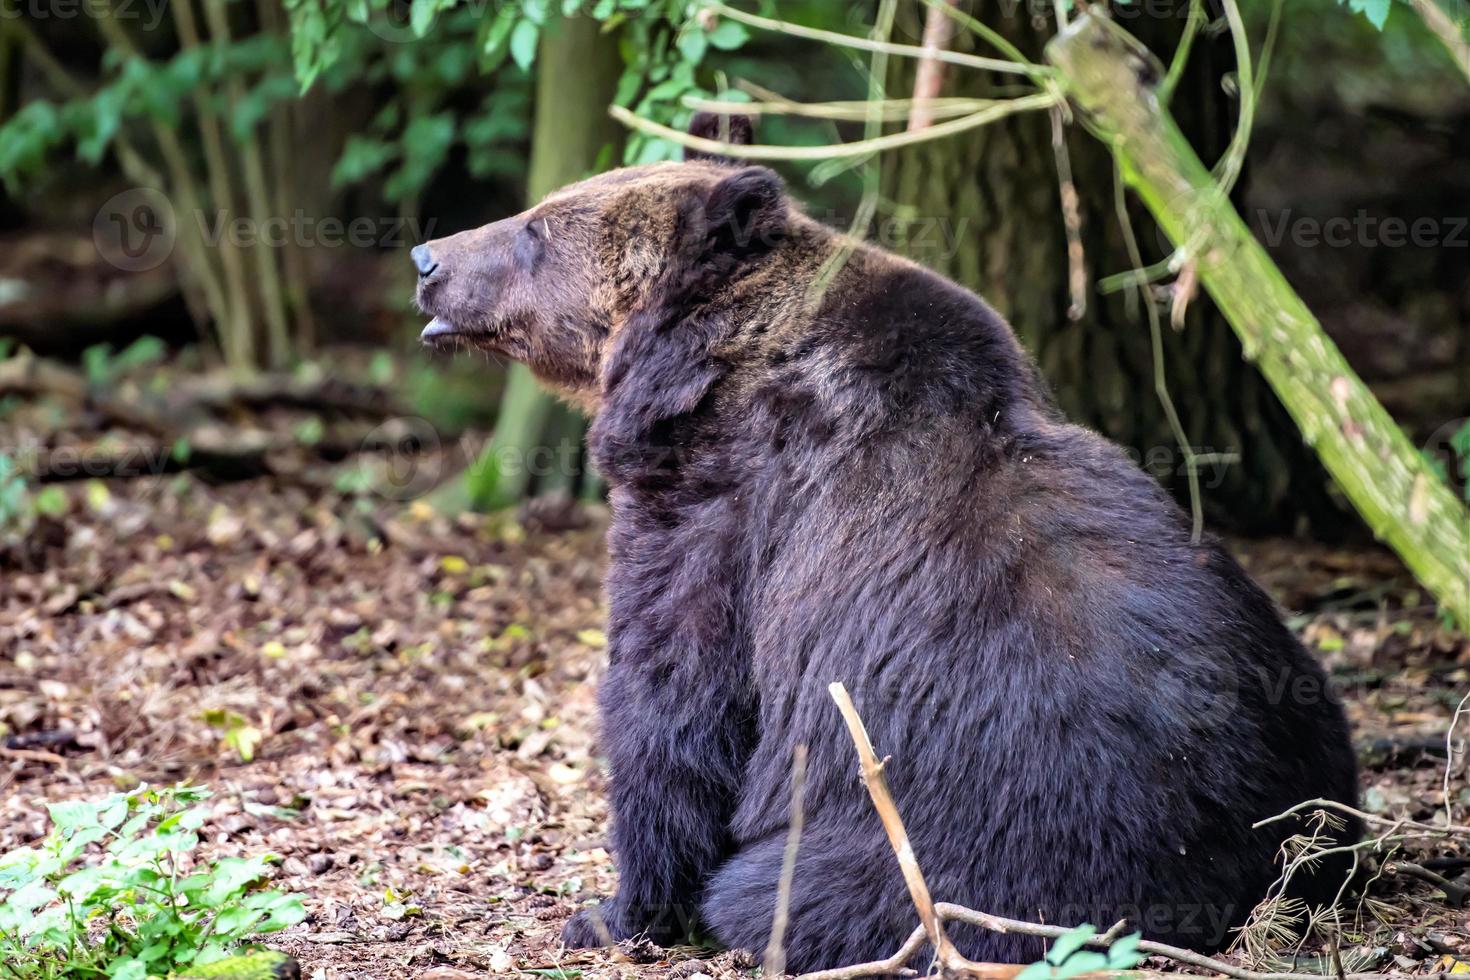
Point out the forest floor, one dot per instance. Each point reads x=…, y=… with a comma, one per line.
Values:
x=422, y=690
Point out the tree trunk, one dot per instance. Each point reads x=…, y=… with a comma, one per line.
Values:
x=984, y=209
x=577, y=69
x=1387, y=479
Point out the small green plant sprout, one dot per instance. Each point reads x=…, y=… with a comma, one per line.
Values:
x=1067, y=958
x=116, y=890
x=236, y=732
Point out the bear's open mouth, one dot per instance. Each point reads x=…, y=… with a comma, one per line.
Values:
x=447, y=335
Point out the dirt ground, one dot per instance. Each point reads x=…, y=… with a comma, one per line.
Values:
x=423, y=693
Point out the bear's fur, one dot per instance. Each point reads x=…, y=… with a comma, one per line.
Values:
x=829, y=464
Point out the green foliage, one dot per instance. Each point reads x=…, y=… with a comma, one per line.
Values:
x=116, y=891
x=663, y=44
x=1067, y=958
x=1375, y=10
x=103, y=366
x=15, y=496
x=140, y=89
x=1459, y=451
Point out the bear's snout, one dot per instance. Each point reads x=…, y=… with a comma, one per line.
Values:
x=424, y=261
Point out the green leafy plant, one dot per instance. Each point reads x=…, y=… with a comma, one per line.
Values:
x=104, y=365
x=116, y=890
x=1375, y=10
x=1067, y=958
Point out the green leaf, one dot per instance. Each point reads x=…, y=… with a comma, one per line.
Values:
x=1123, y=954
x=729, y=35
x=1083, y=961
x=523, y=44
x=1071, y=942
x=72, y=815
x=692, y=44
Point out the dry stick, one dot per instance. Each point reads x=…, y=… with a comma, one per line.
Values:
x=958, y=913
x=894, y=965
x=857, y=148
x=944, y=950
x=1454, y=892
x=775, y=959
x=1449, y=760
x=1320, y=804
x=929, y=78
x=933, y=916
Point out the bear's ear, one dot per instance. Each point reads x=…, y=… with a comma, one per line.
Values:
x=738, y=130
x=746, y=212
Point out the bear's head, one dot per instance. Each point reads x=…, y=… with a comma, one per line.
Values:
x=553, y=286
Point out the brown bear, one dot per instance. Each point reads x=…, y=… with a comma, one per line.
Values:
x=829, y=464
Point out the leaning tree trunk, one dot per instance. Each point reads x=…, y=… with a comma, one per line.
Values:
x=984, y=208
x=577, y=70
x=1387, y=479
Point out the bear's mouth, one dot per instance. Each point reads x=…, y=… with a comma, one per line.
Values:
x=446, y=335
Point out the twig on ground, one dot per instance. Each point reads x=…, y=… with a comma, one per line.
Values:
x=1454, y=892
x=775, y=958
x=1369, y=818
x=958, y=913
x=933, y=916
x=893, y=966
x=1449, y=752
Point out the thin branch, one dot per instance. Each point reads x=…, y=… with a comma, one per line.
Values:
x=995, y=923
x=1008, y=107
x=1370, y=818
x=1454, y=892
x=1449, y=758
x=1230, y=166
x=1071, y=218
x=889, y=110
x=892, y=966
x=1192, y=27
x=775, y=958
x=988, y=34
x=866, y=44
x=872, y=768
x=1450, y=34
x=1161, y=381
x=929, y=78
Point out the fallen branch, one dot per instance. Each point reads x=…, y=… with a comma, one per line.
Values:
x=1369, y=818
x=1454, y=892
x=933, y=916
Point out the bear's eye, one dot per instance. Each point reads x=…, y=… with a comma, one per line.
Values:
x=530, y=243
